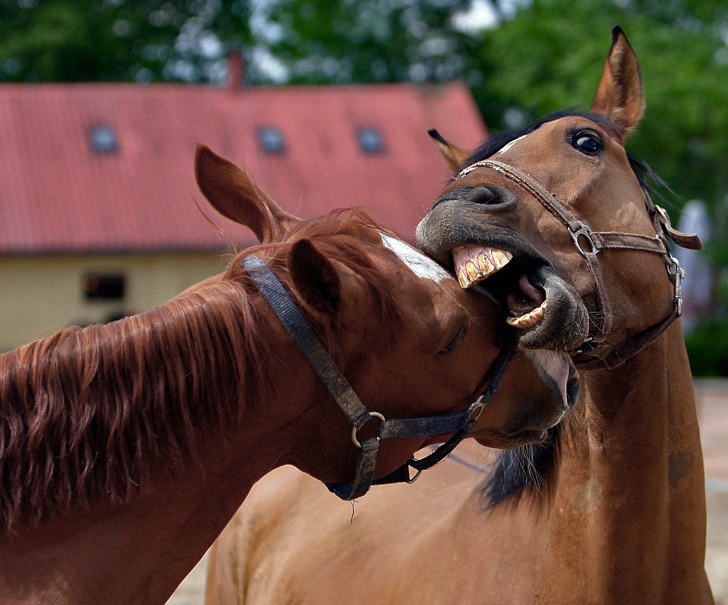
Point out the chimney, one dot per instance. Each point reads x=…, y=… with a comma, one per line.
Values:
x=236, y=69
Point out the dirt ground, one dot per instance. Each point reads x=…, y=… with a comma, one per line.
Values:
x=712, y=400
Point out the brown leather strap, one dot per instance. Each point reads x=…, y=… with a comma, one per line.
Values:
x=595, y=353
x=691, y=241
x=580, y=233
x=627, y=241
x=532, y=186
x=610, y=358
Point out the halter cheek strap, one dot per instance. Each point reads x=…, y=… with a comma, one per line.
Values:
x=596, y=352
x=315, y=352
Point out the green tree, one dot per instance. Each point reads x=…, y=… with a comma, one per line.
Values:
x=371, y=41
x=117, y=40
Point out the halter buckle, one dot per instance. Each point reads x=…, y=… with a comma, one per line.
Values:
x=663, y=215
x=355, y=429
x=674, y=269
x=579, y=229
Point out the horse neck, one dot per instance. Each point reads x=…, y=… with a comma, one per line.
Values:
x=630, y=477
x=142, y=537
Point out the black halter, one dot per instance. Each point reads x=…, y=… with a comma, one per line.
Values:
x=596, y=353
x=315, y=352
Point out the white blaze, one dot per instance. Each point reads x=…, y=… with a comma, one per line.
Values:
x=421, y=265
x=507, y=146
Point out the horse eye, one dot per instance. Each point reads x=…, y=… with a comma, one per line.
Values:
x=587, y=142
x=460, y=332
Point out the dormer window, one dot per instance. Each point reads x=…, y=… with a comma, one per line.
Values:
x=271, y=139
x=104, y=139
x=370, y=140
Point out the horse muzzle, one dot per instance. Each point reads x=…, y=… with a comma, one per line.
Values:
x=476, y=233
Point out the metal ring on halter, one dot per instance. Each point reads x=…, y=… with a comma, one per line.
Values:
x=674, y=269
x=413, y=479
x=663, y=213
x=580, y=229
x=354, y=430
x=477, y=408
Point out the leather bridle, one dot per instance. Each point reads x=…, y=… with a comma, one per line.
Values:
x=313, y=349
x=595, y=352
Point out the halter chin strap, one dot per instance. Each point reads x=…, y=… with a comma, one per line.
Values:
x=315, y=352
x=595, y=352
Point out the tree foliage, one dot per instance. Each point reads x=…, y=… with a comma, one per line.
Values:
x=119, y=40
x=371, y=41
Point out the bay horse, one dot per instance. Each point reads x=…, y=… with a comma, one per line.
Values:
x=611, y=508
x=125, y=448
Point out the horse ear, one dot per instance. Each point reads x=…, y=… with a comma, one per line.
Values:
x=454, y=156
x=325, y=287
x=620, y=96
x=234, y=195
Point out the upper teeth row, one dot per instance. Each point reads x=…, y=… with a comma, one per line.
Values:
x=487, y=262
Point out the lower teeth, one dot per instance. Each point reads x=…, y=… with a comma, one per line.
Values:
x=528, y=320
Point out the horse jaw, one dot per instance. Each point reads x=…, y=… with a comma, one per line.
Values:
x=565, y=322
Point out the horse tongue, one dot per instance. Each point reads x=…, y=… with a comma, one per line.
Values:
x=555, y=369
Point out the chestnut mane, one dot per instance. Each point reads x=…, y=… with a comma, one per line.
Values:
x=94, y=412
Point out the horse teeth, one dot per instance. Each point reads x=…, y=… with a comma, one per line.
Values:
x=529, y=319
x=463, y=278
x=475, y=263
x=486, y=267
x=501, y=258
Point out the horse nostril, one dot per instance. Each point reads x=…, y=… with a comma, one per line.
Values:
x=481, y=195
x=488, y=194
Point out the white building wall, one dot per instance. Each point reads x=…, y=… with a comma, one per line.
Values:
x=40, y=294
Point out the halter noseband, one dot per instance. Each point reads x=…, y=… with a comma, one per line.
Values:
x=596, y=353
x=315, y=352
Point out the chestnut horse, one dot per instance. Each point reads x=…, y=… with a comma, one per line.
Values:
x=611, y=509
x=126, y=448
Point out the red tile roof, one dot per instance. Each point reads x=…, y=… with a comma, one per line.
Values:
x=59, y=195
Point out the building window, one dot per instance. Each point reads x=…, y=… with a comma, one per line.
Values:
x=271, y=139
x=104, y=139
x=103, y=286
x=370, y=140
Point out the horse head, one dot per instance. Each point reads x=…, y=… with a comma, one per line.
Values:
x=558, y=219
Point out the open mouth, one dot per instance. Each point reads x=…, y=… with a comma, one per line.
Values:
x=526, y=301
